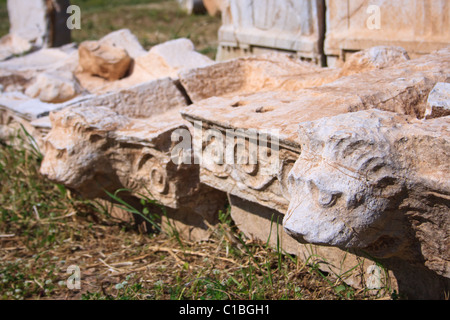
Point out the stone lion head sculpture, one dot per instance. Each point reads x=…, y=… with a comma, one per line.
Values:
x=360, y=174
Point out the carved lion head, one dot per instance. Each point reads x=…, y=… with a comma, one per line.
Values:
x=345, y=187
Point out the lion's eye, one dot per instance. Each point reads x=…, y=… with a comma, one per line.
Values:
x=328, y=199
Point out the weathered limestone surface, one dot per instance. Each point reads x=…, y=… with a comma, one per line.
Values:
x=379, y=57
x=34, y=24
x=438, y=104
x=54, y=88
x=419, y=26
x=106, y=61
x=403, y=88
x=214, y=7
x=253, y=27
x=90, y=149
x=140, y=101
x=375, y=181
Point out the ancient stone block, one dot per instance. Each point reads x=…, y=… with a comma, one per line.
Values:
x=108, y=62
x=438, y=104
x=293, y=26
x=92, y=149
x=418, y=26
x=274, y=71
x=163, y=60
x=378, y=182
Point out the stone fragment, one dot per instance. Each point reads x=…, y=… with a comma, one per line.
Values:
x=92, y=149
x=19, y=73
x=35, y=24
x=263, y=224
x=11, y=45
x=163, y=60
x=377, y=182
x=214, y=7
x=276, y=114
x=180, y=54
x=274, y=71
x=438, y=104
x=250, y=27
x=124, y=39
x=418, y=26
x=106, y=61
x=140, y=101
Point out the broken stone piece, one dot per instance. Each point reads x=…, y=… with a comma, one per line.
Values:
x=375, y=181
x=106, y=61
x=164, y=60
x=438, y=104
x=277, y=71
x=214, y=7
x=180, y=54
x=35, y=24
x=374, y=58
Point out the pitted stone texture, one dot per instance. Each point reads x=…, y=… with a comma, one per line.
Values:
x=281, y=72
x=438, y=104
x=293, y=26
x=92, y=149
x=374, y=58
x=375, y=181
